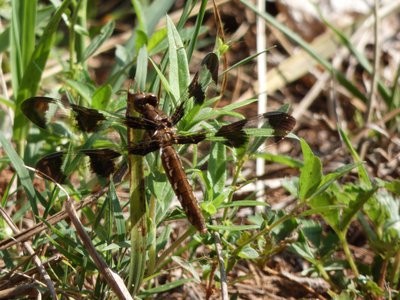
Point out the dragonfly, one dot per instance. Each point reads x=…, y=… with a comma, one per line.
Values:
x=161, y=133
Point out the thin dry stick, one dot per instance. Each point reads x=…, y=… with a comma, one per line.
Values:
x=35, y=258
x=262, y=96
x=375, y=70
x=24, y=235
x=27, y=234
x=224, y=284
x=113, y=279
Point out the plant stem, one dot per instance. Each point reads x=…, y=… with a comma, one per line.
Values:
x=234, y=181
x=137, y=199
x=347, y=252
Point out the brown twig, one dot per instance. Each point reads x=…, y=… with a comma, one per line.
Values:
x=375, y=70
x=42, y=270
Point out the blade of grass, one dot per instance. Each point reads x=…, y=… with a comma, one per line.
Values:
x=178, y=61
x=199, y=21
x=33, y=72
x=362, y=172
x=23, y=21
x=22, y=172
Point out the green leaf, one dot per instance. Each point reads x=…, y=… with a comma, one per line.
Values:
x=23, y=24
x=362, y=172
x=303, y=250
x=141, y=69
x=118, y=216
x=394, y=186
x=84, y=89
x=239, y=104
x=22, y=172
x=248, y=252
x=156, y=39
x=178, y=62
x=217, y=171
x=243, y=203
x=311, y=173
x=5, y=39
x=31, y=75
x=33, y=72
x=280, y=159
x=164, y=287
x=98, y=40
x=233, y=227
x=140, y=15
x=331, y=177
x=101, y=97
x=187, y=266
x=209, y=207
x=163, y=79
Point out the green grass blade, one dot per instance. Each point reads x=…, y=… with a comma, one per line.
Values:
x=178, y=62
x=281, y=159
x=98, y=40
x=241, y=203
x=5, y=40
x=362, y=172
x=141, y=69
x=23, y=21
x=33, y=72
x=233, y=227
x=157, y=10
x=164, y=287
x=117, y=212
x=199, y=21
x=22, y=172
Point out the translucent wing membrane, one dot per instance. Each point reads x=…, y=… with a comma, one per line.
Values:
x=274, y=124
x=207, y=74
x=102, y=163
x=42, y=111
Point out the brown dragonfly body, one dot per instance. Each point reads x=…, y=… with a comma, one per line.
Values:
x=161, y=134
x=165, y=137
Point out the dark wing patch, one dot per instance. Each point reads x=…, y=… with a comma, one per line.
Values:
x=278, y=125
x=50, y=167
x=207, y=73
x=234, y=134
x=201, y=80
x=211, y=62
x=102, y=161
x=36, y=108
x=191, y=138
x=87, y=119
x=281, y=122
x=140, y=123
x=144, y=147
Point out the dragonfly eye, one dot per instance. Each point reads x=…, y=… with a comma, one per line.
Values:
x=141, y=100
